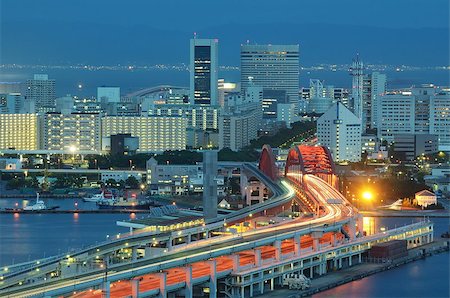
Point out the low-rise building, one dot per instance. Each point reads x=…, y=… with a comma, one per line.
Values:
x=408, y=146
x=425, y=198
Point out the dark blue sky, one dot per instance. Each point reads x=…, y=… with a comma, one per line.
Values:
x=200, y=14
x=384, y=31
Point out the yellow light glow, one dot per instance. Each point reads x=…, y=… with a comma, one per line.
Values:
x=367, y=196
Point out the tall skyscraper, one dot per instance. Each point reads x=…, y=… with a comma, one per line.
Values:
x=274, y=67
x=41, y=90
x=357, y=87
x=204, y=71
x=377, y=89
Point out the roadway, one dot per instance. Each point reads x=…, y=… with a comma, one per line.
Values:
x=334, y=213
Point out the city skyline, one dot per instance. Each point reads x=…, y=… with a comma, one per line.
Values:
x=224, y=149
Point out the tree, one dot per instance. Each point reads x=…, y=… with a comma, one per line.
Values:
x=132, y=182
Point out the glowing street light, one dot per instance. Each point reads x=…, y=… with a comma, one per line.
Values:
x=367, y=195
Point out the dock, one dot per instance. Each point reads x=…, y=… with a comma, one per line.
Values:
x=356, y=272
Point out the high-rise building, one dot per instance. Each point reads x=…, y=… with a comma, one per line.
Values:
x=374, y=87
x=440, y=118
x=155, y=133
x=71, y=131
x=224, y=88
x=198, y=117
x=238, y=128
x=204, y=71
x=340, y=130
x=41, y=90
x=11, y=103
x=19, y=131
x=396, y=113
x=273, y=67
x=108, y=94
x=357, y=87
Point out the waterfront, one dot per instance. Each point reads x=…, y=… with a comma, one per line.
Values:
x=30, y=236
x=68, y=80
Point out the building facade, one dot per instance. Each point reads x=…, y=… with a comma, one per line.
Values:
x=274, y=67
x=19, y=131
x=204, y=71
x=237, y=129
x=71, y=132
x=340, y=130
x=155, y=133
x=41, y=90
x=440, y=118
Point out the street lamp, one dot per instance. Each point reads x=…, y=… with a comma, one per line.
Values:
x=72, y=150
x=131, y=164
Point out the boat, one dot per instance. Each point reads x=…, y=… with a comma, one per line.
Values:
x=40, y=205
x=95, y=198
x=122, y=203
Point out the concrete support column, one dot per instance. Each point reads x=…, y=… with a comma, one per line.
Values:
x=235, y=260
x=134, y=253
x=257, y=257
x=162, y=284
x=333, y=239
x=340, y=263
x=277, y=245
x=350, y=261
x=106, y=289
x=271, y=284
x=188, y=238
x=261, y=287
x=135, y=287
x=251, y=290
x=242, y=291
x=352, y=230
x=297, y=245
x=188, y=290
x=359, y=258
x=360, y=225
x=316, y=235
x=212, y=279
x=169, y=244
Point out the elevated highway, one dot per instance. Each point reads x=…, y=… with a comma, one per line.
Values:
x=335, y=223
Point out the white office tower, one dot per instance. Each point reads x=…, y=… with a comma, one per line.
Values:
x=440, y=118
x=204, y=71
x=396, y=114
x=210, y=185
x=357, y=87
x=41, y=90
x=340, y=130
x=272, y=67
x=375, y=87
x=108, y=94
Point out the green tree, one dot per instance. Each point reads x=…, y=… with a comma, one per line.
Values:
x=132, y=182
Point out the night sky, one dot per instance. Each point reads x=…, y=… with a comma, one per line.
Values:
x=84, y=31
